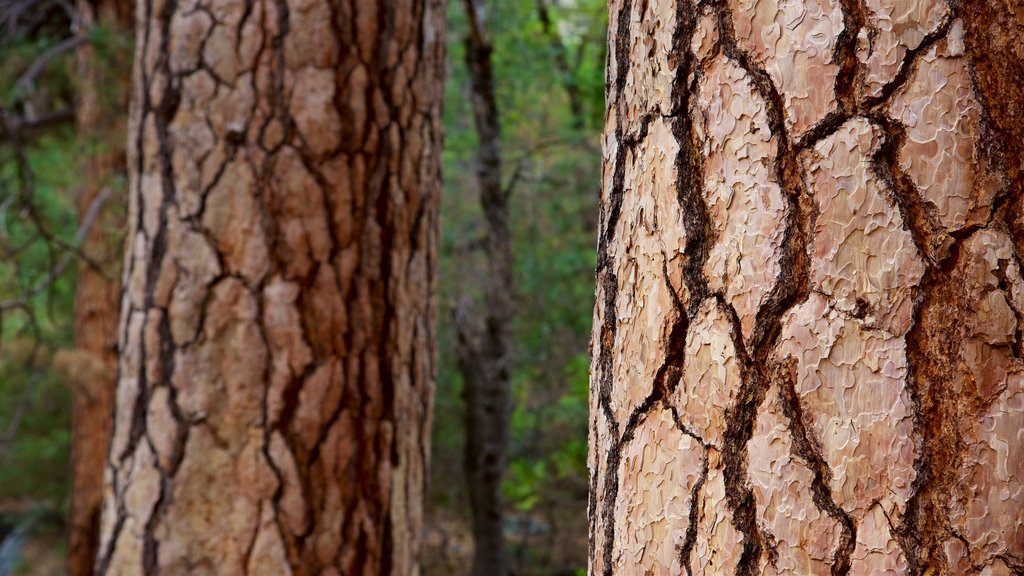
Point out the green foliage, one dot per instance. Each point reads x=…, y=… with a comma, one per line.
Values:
x=35, y=416
x=34, y=428
x=37, y=229
x=556, y=169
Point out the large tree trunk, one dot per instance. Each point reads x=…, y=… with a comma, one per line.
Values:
x=484, y=336
x=807, y=351
x=277, y=323
x=103, y=96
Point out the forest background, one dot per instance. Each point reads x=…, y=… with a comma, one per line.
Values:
x=548, y=59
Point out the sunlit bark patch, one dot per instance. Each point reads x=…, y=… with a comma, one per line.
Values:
x=896, y=27
x=802, y=537
x=796, y=41
x=993, y=283
x=851, y=381
x=711, y=376
x=649, y=241
x=659, y=467
x=600, y=446
x=648, y=87
x=745, y=202
x=943, y=119
x=864, y=257
x=877, y=550
x=986, y=505
x=705, y=36
x=719, y=544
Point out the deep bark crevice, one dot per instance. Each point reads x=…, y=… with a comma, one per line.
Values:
x=807, y=447
x=791, y=288
x=609, y=286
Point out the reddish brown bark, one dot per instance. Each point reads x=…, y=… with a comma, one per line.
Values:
x=807, y=344
x=100, y=120
x=277, y=322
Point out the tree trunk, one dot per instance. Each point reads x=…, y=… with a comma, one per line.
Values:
x=277, y=326
x=100, y=121
x=807, y=351
x=484, y=335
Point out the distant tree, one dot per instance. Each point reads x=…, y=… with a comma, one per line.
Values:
x=485, y=334
x=807, y=353
x=277, y=323
x=100, y=118
x=566, y=66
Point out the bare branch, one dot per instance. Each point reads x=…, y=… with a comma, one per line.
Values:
x=14, y=127
x=65, y=260
x=26, y=83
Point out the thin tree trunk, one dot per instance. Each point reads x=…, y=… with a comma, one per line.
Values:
x=484, y=337
x=807, y=351
x=277, y=328
x=100, y=121
x=566, y=71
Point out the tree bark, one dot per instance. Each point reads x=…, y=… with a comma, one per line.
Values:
x=484, y=335
x=807, y=352
x=100, y=122
x=277, y=324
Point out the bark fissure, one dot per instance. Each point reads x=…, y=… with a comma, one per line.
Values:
x=608, y=287
x=807, y=448
x=686, y=550
x=850, y=70
x=792, y=289
x=917, y=536
x=931, y=239
x=700, y=234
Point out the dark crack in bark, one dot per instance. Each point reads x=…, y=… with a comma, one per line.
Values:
x=809, y=450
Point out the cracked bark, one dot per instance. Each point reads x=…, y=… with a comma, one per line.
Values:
x=92, y=365
x=276, y=339
x=823, y=286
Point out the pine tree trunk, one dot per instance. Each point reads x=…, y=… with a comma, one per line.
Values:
x=277, y=326
x=100, y=121
x=807, y=352
x=485, y=334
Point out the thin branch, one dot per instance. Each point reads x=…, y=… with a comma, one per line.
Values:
x=27, y=80
x=12, y=427
x=14, y=127
x=565, y=70
x=58, y=269
x=23, y=17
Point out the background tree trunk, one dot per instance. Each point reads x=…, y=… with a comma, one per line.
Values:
x=807, y=351
x=277, y=323
x=100, y=119
x=566, y=70
x=484, y=335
